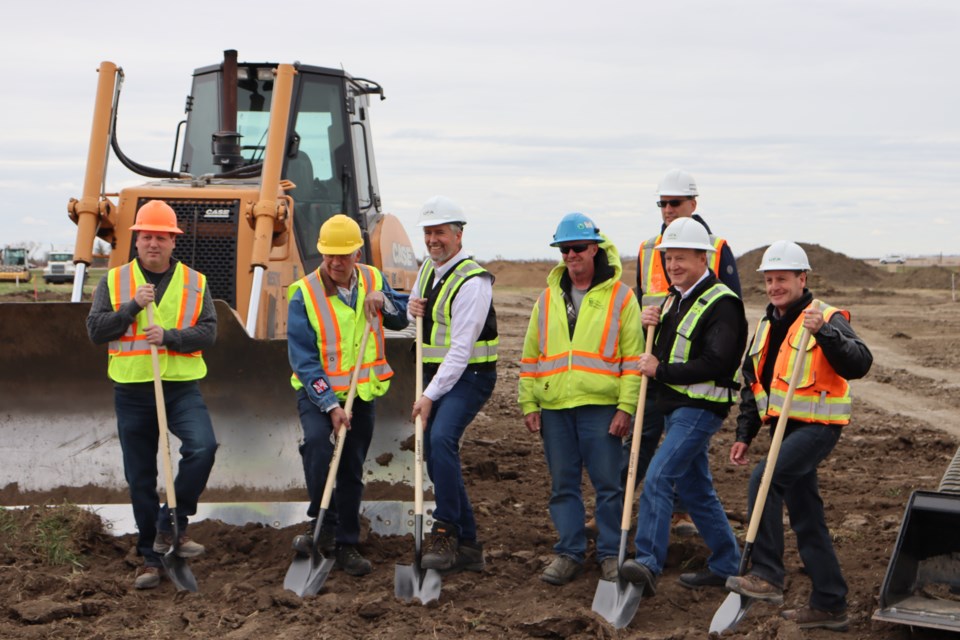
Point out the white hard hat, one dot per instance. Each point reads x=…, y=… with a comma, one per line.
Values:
x=440, y=210
x=677, y=183
x=784, y=255
x=685, y=233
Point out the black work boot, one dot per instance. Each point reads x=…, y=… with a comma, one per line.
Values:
x=326, y=542
x=469, y=557
x=350, y=560
x=442, y=549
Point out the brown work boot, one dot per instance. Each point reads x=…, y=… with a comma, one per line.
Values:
x=562, y=570
x=469, y=558
x=350, y=560
x=681, y=525
x=755, y=587
x=147, y=578
x=186, y=549
x=640, y=575
x=809, y=618
x=442, y=550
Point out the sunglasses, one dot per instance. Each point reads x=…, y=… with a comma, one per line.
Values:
x=576, y=248
x=673, y=203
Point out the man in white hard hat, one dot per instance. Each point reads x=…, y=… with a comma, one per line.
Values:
x=678, y=194
x=588, y=316
x=819, y=409
x=327, y=304
x=701, y=334
x=454, y=296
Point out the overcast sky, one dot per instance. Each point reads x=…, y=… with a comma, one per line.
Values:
x=833, y=122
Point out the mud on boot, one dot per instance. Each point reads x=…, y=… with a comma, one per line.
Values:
x=147, y=578
x=186, y=549
x=326, y=543
x=469, y=558
x=562, y=570
x=350, y=560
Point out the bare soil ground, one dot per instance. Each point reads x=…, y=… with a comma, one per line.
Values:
x=904, y=434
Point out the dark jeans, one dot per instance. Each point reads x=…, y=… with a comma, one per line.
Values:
x=794, y=484
x=343, y=512
x=188, y=420
x=652, y=431
x=448, y=421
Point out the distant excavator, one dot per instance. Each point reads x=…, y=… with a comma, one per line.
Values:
x=269, y=152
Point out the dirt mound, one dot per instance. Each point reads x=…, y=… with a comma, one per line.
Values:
x=829, y=267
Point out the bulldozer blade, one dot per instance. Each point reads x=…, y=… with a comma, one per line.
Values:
x=730, y=613
x=72, y=442
x=411, y=582
x=616, y=601
x=923, y=576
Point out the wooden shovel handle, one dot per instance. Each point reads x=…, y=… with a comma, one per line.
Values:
x=635, y=443
x=418, y=427
x=162, y=420
x=778, y=437
x=342, y=433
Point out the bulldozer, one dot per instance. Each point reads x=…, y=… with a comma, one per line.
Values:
x=267, y=153
x=14, y=266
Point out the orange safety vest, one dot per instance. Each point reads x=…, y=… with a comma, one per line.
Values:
x=653, y=280
x=337, y=327
x=821, y=396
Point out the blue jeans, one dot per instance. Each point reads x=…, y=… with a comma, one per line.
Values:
x=188, y=420
x=448, y=420
x=794, y=483
x=682, y=461
x=316, y=450
x=572, y=439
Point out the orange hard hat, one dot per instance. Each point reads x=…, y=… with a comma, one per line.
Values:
x=156, y=215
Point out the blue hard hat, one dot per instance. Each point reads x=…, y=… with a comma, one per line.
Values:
x=576, y=227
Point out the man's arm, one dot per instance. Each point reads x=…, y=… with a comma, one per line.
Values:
x=748, y=420
x=303, y=356
x=200, y=336
x=843, y=349
x=728, y=270
x=103, y=323
x=394, y=308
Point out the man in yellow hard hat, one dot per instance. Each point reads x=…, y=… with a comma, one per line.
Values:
x=325, y=322
x=184, y=324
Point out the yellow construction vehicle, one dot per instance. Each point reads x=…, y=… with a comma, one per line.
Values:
x=269, y=152
x=14, y=266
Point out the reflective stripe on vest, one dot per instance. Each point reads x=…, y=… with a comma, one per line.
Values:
x=437, y=345
x=821, y=396
x=328, y=324
x=603, y=361
x=129, y=355
x=654, y=281
x=680, y=351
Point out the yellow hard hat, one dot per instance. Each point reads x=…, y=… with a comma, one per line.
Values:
x=156, y=215
x=339, y=236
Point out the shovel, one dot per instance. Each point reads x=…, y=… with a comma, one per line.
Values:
x=735, y=605
x=617, y=601
x=175, y=566
x=412, y=581
x=306, y=575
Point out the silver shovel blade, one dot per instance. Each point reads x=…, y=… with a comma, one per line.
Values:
x=616, y=601
x=410, y=584
x=179, y=572
x=306, y=575
x=729, y=614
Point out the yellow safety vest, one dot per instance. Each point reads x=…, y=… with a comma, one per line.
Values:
x=338, y=330
x=129, y=356
x=436, y=343
x=680, y=351
x=592, y=366
x=821, y=396
x=654, y=281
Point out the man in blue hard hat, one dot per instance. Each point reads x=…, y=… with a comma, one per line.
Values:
x=579, y=381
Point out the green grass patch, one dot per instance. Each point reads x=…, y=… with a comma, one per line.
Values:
x=7, y=523
x=37, y=284
x=56, y=532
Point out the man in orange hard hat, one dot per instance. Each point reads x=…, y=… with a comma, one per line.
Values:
x=184, y=324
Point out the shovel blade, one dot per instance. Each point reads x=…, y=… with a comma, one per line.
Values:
x=617, y=601
x=305, y=577
x=729, y=614
x=411, y=583
x=179, y=572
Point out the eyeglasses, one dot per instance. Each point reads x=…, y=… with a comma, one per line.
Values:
x=673, y=203
x=576, y=248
